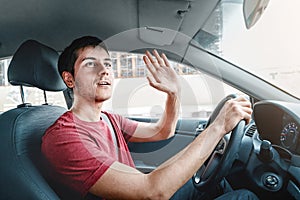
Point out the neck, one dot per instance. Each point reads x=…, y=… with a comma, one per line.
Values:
x=89, y=112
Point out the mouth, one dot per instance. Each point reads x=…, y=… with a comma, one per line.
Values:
x=103, y=83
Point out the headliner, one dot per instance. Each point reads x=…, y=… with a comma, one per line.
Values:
x=56, y=23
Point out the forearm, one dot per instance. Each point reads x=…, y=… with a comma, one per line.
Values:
x=167, y=124
x=185, y=163
x=162, y=129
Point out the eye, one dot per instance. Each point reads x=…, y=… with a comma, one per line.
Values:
x=107, y=65
x=90, y=64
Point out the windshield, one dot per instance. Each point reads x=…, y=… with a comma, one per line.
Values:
x=270, y=49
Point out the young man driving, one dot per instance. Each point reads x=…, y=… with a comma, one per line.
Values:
x=89, y=159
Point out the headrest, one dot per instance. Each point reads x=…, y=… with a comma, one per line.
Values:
x=35, y=65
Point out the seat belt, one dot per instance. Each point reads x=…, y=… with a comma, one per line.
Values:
x=112, y=131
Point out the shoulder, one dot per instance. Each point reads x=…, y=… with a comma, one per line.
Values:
x=64, y=128
x=127, y=125
x=113, y=116
x=64, y=119
x=119, y=119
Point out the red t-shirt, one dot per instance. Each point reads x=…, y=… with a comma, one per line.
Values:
x=80, y=152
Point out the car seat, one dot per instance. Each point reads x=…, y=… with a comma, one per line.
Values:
x=22, y=165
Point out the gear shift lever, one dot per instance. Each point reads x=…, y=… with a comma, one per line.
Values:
x=265, y=153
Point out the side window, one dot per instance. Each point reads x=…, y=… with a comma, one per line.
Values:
x=132, y=94
x=10, y=95
x=134, y=97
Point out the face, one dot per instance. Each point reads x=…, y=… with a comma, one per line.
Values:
x=93, y=75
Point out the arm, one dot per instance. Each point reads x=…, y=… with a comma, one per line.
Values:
x=123, y=182
x=163, y=78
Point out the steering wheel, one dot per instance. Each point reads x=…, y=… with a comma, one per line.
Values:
x=220, y=161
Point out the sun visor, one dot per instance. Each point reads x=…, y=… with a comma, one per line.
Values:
x=161, y=32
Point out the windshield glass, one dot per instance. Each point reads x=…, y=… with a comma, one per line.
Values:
x=270, y=49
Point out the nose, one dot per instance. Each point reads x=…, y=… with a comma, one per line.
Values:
x=104, y=70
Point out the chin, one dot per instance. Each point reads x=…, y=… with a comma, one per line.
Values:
x=102, y=99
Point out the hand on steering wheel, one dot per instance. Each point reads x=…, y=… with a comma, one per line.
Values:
x=222, y=158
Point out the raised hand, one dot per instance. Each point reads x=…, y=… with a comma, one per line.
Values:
x=162, y=76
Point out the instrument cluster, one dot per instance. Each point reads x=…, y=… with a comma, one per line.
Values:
x=279, y=122
x=289, y=136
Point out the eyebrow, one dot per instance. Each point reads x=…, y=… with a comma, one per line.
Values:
x=92, y=58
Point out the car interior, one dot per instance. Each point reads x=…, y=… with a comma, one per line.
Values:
x=262, y=156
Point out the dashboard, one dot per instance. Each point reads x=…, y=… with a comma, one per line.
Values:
x=279, y=122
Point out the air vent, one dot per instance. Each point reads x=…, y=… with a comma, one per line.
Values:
x=251, y=130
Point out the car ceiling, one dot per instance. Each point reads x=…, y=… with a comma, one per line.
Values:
x=155, y=23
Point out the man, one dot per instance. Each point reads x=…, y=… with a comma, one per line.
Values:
x=89, y=159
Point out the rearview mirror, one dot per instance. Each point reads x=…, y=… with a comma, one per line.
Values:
x=252, y=10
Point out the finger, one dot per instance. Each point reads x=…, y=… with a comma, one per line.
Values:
x=241, y=107
x=151, y=69
x=243, y=101
x=247, y=110
x=242, y=98
x=165, y=59
x=158, y=58
x=152, y=82
x=248, y=118
x=245, y=104
x=246, y=113
x=149, y=64
x=152, y=60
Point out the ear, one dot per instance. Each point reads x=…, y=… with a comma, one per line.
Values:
x=68, y=79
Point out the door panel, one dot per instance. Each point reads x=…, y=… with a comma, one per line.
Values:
x=147, y=156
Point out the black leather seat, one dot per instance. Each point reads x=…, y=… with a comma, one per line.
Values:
x=22, y=169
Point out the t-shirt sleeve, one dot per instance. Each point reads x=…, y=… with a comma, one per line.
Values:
x=79, y=161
